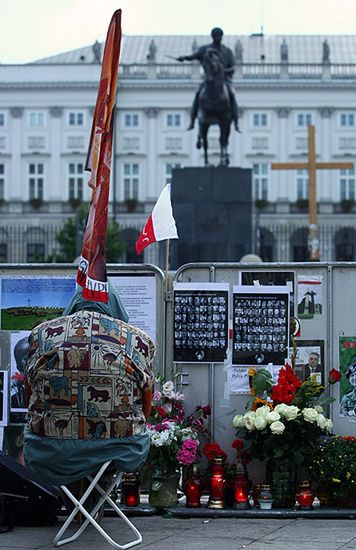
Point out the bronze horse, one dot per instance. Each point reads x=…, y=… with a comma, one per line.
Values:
x=214, y=106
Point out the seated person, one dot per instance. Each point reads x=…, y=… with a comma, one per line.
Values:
x=89, y=378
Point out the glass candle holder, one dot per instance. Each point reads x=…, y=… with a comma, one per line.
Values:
x=241, y=487
x=265, y=497
x=217, y=483
x=130, y=490
x=305, y=496
x=193, y=488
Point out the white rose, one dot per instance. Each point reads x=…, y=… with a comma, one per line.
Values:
x=277, y=427
x=319, y=408
x=310, y=415
x=262, y=411
x=238, y=421
x=280, y=408
x=291, y=412
x=249, y=420
x=260, y=422
x=168, y=388
x=273, y=416
x=328, y=425
x=321, y=421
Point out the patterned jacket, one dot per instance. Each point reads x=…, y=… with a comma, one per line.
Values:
x=90, y=377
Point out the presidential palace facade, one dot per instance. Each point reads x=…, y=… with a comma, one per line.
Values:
x=282, y=85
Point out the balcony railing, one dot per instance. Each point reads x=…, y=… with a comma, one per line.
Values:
x=274, y=71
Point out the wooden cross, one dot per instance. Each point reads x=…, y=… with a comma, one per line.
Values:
x=312, y=166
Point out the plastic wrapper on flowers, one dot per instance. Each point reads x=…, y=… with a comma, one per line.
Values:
x=175, y=437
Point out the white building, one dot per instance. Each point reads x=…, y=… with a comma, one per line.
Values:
x=45, y=119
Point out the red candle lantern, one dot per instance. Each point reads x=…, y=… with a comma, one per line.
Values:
x=217, y=483
x=241, y=487
x=305, y=496
x=130, y=490
x=193, y=488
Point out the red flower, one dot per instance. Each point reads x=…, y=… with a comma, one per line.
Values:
x=204, y=410
x=213, y=450
x=284, y=390
x=334, y=376
x=161, y=412
x=238, y=444
x=349, y=438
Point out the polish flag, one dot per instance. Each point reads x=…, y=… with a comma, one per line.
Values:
x=160, y=225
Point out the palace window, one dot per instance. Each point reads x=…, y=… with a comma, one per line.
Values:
x=260, y=180
x=76, y=118
x=75, y=180
x=260, y=120
x=304, y=119
x=347, y=184
x=36, y=119
x=347, y=120
x=302, y=184
x=168, y=175
x=131, y=120
x=131, y=180
x=2, y=181
x=2, y=119
x=173, y=120
x=35, y=180
x=346, y=143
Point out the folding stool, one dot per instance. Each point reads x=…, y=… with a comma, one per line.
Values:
x=92, y=516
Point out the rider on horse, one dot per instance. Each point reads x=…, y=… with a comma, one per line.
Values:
x=226, y=58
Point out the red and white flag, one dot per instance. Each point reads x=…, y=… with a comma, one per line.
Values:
x=161, y=224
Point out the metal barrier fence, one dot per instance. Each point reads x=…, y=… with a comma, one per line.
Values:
x=40, y=244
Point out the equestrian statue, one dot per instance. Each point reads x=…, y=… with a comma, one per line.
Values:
x=214, y=102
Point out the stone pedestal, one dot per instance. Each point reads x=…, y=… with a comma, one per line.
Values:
x=212, y=207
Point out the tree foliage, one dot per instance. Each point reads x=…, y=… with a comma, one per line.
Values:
x=70, y=238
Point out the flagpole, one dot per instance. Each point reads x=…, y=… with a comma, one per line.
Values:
x=167, y=263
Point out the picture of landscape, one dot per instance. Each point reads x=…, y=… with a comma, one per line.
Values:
x=28, y=301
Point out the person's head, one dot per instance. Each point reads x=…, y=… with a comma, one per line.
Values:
x=114, y=308
x=351, y=374
x=314, y=359
x=217, y=35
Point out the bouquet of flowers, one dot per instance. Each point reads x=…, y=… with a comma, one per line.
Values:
x=174, y=436
x=285, y=420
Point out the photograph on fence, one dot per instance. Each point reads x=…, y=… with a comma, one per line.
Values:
x=347, y=363
x=19, y=349
x=310, y=296
x=28, y=301
x=200, y=322
x=260, y=325
x=4, y=397
x=271, y=278
x=310, y=360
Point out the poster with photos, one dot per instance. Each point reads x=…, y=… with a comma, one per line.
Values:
x=260, y=325
x=271, y=278
x=200, y=322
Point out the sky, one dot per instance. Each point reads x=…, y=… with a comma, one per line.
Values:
x=32, y=29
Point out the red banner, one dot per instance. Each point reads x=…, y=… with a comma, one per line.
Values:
x=92, y=266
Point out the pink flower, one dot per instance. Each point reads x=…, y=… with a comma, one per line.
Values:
x=188, y=453
x=157, y=395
